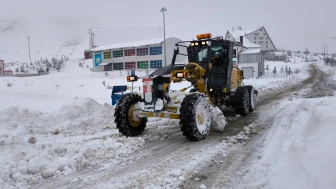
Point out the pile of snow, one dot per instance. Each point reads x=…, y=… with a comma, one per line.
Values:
x=36, y=145
x=299, y=152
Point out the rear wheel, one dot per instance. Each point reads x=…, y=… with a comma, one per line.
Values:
x=242, y=102
x=127, y=121
x=252, y=97
x=195, y=117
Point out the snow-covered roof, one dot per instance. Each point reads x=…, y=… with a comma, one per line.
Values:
x=237, y=32
x=246, y=42
x=128, y=44
x=250, y=51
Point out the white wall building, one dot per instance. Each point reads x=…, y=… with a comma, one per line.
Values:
x=251, y=61
x=253, y=38
x=140, y=55
x=257, y=45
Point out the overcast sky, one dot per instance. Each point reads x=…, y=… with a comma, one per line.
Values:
x=291, y=24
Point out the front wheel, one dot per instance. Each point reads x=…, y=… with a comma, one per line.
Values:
x=127, y=121
x=195, y=117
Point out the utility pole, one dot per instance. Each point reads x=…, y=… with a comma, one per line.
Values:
x=92, y=40
x=89, y=39
x=164, y=34
x=29, y=50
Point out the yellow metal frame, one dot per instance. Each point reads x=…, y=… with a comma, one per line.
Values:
x=195, y=73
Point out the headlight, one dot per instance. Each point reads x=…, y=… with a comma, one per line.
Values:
x=192, y=44
x=179, y=75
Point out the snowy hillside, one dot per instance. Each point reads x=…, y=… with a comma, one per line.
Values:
x=51, y=40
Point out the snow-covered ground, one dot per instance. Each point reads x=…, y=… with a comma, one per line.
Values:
x=299, y=148
x=270, y=81
x=56, y=125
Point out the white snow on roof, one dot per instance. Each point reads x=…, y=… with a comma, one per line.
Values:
x=128, y=44
x=237, y=33
x=246, y=42
x=250, y=51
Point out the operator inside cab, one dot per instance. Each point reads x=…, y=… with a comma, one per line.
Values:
x=217, y=56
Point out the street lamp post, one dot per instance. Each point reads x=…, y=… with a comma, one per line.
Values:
x=164, y=34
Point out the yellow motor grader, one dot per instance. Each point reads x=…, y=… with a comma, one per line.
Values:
x=215, y=83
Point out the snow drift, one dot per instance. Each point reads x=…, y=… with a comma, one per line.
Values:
x=36, y=145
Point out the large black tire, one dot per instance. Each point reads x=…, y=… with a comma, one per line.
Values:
x=241, y=101
x=128, y=124
x=251, y=97
x=195, y=117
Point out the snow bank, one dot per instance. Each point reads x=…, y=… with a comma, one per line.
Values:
x=299, y=148
x=308, y=159
x=79, y=135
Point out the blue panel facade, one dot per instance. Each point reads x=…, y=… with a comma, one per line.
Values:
x=155, y=63
x=155, y=50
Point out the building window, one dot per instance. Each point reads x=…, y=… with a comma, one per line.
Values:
x=266, y=46
x=261, y=42
x=266, y=42
x=228, y=37
x=118, y=53
x=118, y=66
x=107, y=55
x=142, y=65
x=248, y=58
x=255, y=37
x=261, y=37
x=260, y=29
x=129, y=65
x=266, y=37
x=155, y=50
x=155, y=63
x=256, y=33
x=142, y=52
x=265, y=34
x=130, y=52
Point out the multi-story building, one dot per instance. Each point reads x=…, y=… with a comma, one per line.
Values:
x=138, y=55
x=253, y=38
x=257, y=46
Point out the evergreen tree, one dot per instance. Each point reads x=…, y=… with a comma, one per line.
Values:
x=274, y=71
x=267, y=68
